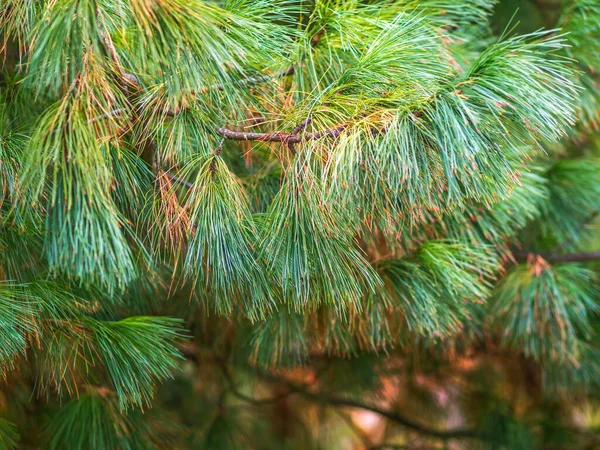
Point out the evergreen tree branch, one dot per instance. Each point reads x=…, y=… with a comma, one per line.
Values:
x=179, y=180
x=335, y=400
x=288, y=138
x=391, y=415
x=302, y=125
x=110, y=48
x=394, y=416
x=552, y=257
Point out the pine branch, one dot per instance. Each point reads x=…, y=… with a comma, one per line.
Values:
x=393, y=416
x=112, y=51
x=335, y=400
x=178, y=180
x=302, y=125
x=552, y=257
x=288, y=138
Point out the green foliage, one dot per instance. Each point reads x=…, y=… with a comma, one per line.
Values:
x=442, y=288
x=25, y=310
x=462, y=141
x=11, y=147
x=201, y=45
x=581, y=20
x=65, y=155
x=9, y=436
x=60, y=40
x=298, y=231
x=507, y=432
x=184, y=135
x=17, y=17
x=94, y=421
x=545, y=311
x=335, y=197
x=574, y=198
x=137, y=353
x=494, y=224
x=279, y=340
x=16, y=324
x=220, y=254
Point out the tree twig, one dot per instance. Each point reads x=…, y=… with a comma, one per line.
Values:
x=113, y=113
x=179, y=180
x=302, y=125
x=335, y=400
x=551, y=257
x=393, y=416
x=279, y=136
x=297, y=129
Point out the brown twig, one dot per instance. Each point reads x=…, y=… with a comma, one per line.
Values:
x=278, y=136
x=335, y=400
x=301, y=126
x=297, y=129
x=179, y=180
x=551, y=257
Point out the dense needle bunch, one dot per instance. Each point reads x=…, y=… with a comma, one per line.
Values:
x=294, y=205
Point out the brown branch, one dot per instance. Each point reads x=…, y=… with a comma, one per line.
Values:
x=551, y=257
x=178, y=180
x=280, y=136
x=393, y=416
x=335, y=400
x=332, y=399
x=297, y=129
x=288, y=138
x=301, y=126
x=113, y=113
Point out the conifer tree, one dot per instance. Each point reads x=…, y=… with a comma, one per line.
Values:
x=243, y=224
